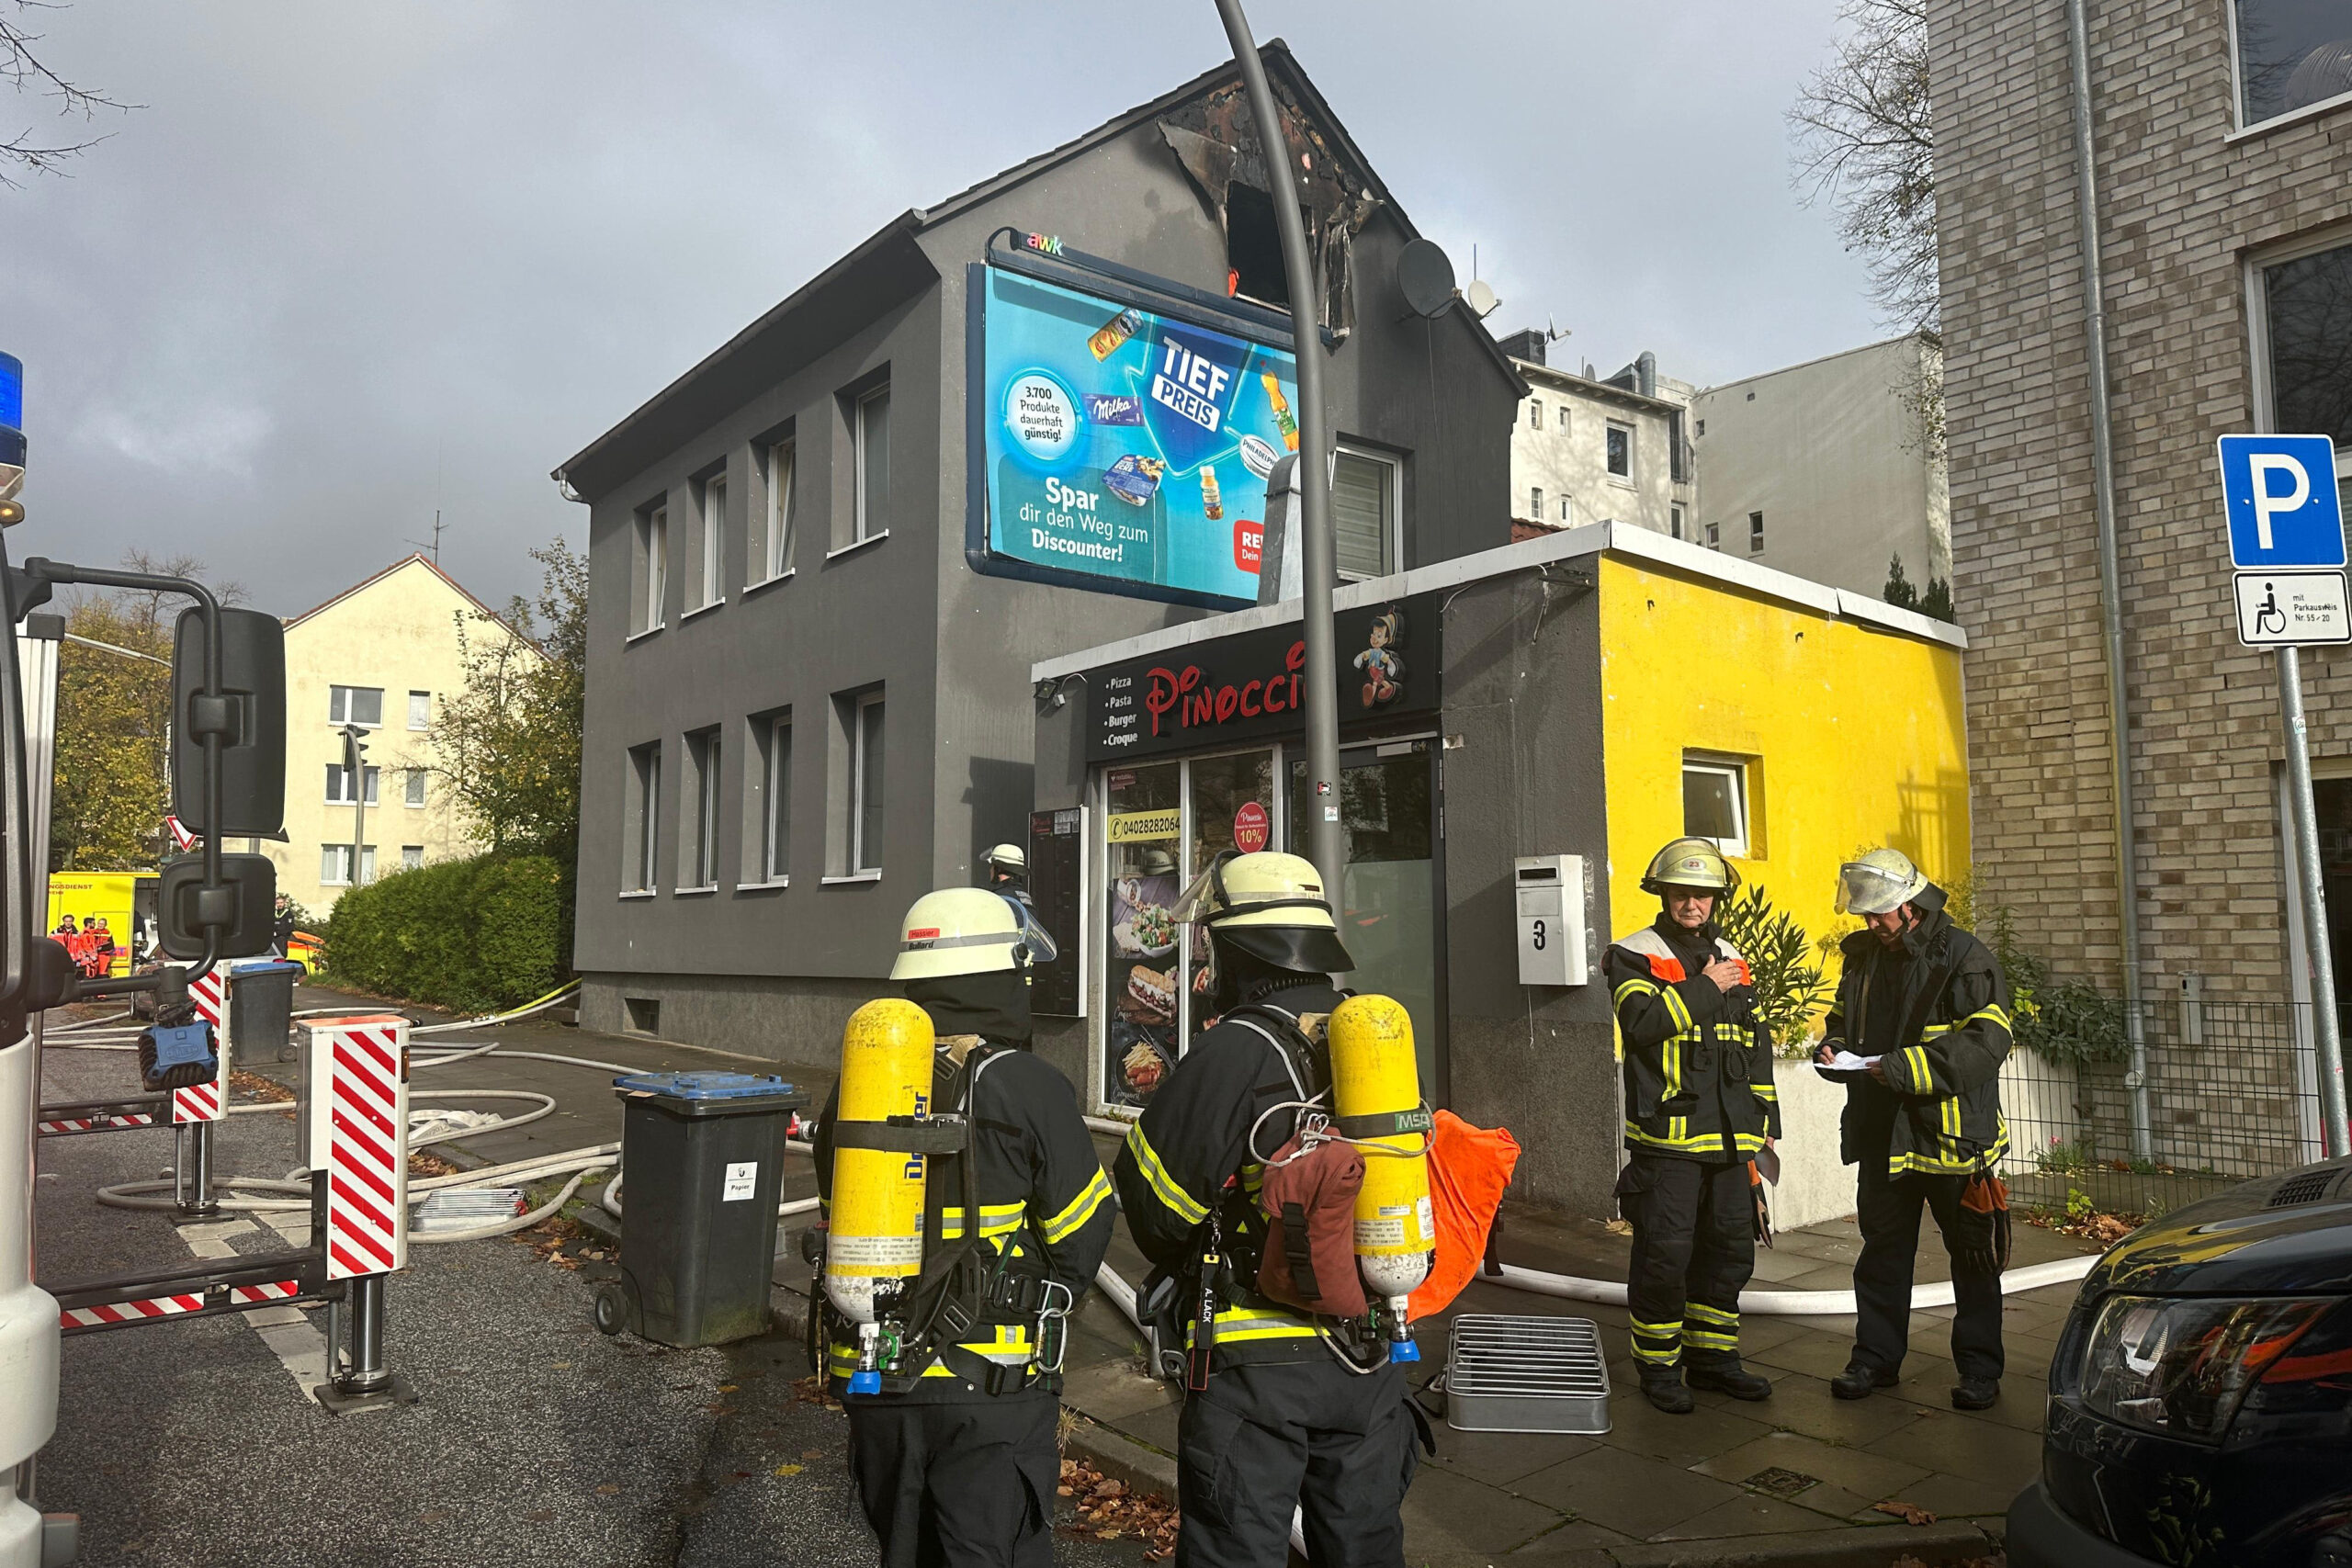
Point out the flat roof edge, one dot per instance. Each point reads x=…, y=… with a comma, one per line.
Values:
x=1568, y=544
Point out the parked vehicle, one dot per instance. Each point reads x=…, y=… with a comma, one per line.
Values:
x=2200, y=1399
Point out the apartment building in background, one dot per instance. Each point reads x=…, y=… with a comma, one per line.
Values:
x=384, y=655
x=1826, y=470
x=2222, y=146
x=1032, y=417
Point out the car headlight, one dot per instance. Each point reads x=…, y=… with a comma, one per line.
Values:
x=2179, y=1365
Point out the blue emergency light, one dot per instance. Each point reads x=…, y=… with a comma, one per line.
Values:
x=12, y=424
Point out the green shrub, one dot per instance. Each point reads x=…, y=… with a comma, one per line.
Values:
x=1789, y=991
x=494, y=931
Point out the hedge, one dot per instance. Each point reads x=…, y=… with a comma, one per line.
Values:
x=494, y=931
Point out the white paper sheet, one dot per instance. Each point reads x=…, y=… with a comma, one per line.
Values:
x=1847, y=1062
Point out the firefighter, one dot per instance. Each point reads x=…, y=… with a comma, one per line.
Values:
x=1008, y=872
x=1925, y=1005
x=1699, y=1102
x=1282, y=1409
x=963, y=1468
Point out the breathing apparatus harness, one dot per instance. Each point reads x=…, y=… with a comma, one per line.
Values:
x=924, y=1318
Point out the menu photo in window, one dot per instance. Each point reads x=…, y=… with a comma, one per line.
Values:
x=1144, y=972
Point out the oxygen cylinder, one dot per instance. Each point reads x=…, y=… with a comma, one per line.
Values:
x=1376, y=1094
x=875, y=1233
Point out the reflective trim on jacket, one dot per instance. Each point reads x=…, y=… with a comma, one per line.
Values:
x=1697, y=1065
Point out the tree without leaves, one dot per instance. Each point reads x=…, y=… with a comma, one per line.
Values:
x=508, y=745
x=1865, y=143
x=27, y=153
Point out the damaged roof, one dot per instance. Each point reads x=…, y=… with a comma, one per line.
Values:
x=889, y=267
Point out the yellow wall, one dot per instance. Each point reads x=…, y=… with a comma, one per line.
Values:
x=1853, y=735
x=398, y=632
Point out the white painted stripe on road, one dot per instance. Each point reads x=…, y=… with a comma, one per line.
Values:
x=299, y=1347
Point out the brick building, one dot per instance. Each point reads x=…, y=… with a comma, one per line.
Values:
x=2223, y=146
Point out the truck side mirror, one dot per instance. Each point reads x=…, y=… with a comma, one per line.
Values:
x=249, y=716
x=243, y=908
x=53, y=976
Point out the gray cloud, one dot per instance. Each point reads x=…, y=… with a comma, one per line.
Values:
x=351, y=262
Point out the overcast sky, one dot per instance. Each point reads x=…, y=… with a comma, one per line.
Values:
x=350, y=263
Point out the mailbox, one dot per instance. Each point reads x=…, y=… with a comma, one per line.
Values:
x=1551, y=919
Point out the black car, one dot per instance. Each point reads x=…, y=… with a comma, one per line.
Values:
x=2200, y=1399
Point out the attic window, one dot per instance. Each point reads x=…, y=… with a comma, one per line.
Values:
x=1253, y=245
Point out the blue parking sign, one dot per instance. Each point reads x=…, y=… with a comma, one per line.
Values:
x=2279, y=493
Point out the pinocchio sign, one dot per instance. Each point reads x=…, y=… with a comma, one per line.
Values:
x=1251, y=685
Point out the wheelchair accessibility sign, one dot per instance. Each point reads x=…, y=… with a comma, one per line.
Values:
x=2277, y=608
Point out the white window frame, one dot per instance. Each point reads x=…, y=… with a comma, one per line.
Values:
x=412, y=789
x=340, y=697
x=1626, y=478
x=710, y=512
x=1755, y=533
x=1714, y=535
x=1736, y=769
x=649, y=819
x=864, y=860
x=653, y=593
x=1535, y=504
x=412, y=857
x=2237, y=91
x=413, y=720
x=2336, y=237
x=1535, y=413
x=705, y=754
x=775, y=539
x=1567, y=510
x=775, y=805
x=1563, y=418
x=371, y=780
x=1395, y=547
x=343, y=853
x=862, y=512
x=1677, y=521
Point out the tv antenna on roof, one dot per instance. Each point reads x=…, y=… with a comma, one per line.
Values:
x=435, y=545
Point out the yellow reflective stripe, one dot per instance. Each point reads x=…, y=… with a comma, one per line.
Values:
x=1234, y=1324
x=1636, y=986
x=1706, y=1314
x=1169, y=1193
x=1950, y=1160
x=1710, y=1341
x=1666, y=1356
x=996, y=1219
x=1923, y=1078
x=1677, y=1010
x=1079, y=1208
x=1749, y=1141
x=1657, y=1330
x=1700, y=1142
x=1766, y=1090
x=1992, y=1013
x=1949, y=1109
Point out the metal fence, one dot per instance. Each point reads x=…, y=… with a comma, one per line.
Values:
x=2232, y=1094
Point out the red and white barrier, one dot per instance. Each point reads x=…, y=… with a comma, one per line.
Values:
x=204, y=1101
x=97, y=1123
x=150, y=1307
x=355, y=1130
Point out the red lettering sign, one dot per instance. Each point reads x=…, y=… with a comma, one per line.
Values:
x=1249, y=538
x=1249, y=828
x=1183, y=694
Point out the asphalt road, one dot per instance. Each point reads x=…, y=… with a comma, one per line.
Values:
x=538, y=1440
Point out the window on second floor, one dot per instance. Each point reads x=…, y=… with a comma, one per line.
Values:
x=870, y=438
x=2307, y=320
x=1677, y=526
x=412, y=793
x=710, y=586
x=865, y=777
x=1567, y=511
x=335, y=864
x=1253, y=246
x=775, y=543
x=1535, y=414
x=641, y=837
x=362, y=705
x=1755, y=533
x=2291, y=55
x=1535, y=504
x=420, y=710
x=1563, y=417
x=649, y=569
x=1620, y=451
x=339, y=784
x=1366, y=502
x=699, y=840
x=1714, y=535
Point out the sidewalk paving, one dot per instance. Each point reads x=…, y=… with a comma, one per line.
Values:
x=1731, y=1482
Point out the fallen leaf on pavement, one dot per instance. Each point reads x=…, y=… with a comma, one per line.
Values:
x=608, y=1488
x=790, y=1469
x=1107, y=1510
x=1910, y=1513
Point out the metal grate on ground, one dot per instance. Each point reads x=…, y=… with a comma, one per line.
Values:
x=1526, y=1374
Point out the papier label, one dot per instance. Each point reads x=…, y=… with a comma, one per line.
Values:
x=740, y=1178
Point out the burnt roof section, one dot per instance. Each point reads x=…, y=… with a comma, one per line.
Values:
x=890, y=266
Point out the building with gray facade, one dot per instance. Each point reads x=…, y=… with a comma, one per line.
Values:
x=824, y=558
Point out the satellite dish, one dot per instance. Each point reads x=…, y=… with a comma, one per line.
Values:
x=1425, y=276
x=1481, y=299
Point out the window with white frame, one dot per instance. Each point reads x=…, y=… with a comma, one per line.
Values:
x=776, y=799
x=420, y=710
x=1366, y=499
x=1535, y=414
x=776, y=463
x=650, y=576
x=710, y=578
x=1567, y=511
x=412, y=788
x=701, y=829
x=339, y=784
x=1564, y=417
x=412, y=857
x=870, y=437
x=335, y=864
x=1620, y=451
x=361, y=705
x=1755, y=533
x=1535, y=504
x=866, y=785
x=2291, y=54
x=1674, y=514
x=1714, y=535
x=1714, y=801
x=641, y=839
x=2306, y=324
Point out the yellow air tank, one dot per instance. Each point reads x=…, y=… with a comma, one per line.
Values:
x=875, y=1236
x=1376, y=1095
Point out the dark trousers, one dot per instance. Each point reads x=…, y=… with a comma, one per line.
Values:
x=1888, y=1213
x=967, y=1483
x=1694, y=1249
x=1260, y=1441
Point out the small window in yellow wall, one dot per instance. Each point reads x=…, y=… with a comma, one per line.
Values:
x=1714, y=802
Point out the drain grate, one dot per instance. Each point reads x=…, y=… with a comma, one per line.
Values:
x=1526, y=1374
x=1780, y=1482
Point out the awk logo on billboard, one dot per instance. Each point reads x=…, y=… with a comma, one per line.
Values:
x=1193, y=384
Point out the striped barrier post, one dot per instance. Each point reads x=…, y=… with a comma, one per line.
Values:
x=355, y=1128
x=198, y=1107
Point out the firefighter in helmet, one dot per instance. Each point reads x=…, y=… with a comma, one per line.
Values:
x=1283, y=1409
x=1008, y=872
x=1699, y=1102
x=962, y=1468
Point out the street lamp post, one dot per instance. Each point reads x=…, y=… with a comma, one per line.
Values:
x=1327, y=847
x=355, y=768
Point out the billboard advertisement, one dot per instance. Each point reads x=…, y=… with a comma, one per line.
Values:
x=1123, y=445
